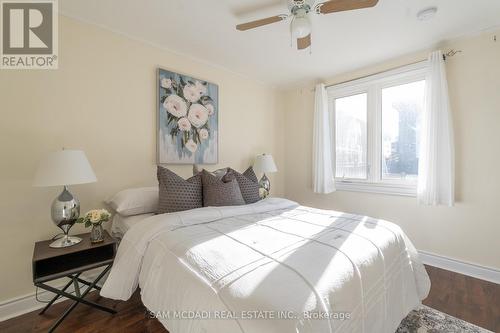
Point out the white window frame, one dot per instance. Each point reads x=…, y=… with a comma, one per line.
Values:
x=373, y=86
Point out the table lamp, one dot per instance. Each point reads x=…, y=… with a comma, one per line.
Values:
x=264, y=163
x=63, y=168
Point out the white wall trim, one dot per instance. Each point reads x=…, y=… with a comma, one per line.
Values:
x=20, y=305
x=24, y=304
x=462, y=267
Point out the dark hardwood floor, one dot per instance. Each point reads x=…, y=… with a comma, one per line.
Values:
x=464, y=297
x=470, y=299
x=131, y=317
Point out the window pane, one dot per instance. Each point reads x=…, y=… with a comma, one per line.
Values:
x=350, y=136
x=401, y=110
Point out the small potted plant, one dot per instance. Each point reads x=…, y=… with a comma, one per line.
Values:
x=95, y=218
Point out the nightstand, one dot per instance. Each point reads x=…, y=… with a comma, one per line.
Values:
x=54, y=263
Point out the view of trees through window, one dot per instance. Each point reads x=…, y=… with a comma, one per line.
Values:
x=351, y=137
x=401, y=110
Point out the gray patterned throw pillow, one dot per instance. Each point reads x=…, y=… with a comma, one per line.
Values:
x=220, y=192
x=249, y=185
x=176, y=193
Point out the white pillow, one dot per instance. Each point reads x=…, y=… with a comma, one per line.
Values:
x=135, y=201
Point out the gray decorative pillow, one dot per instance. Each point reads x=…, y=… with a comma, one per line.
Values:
x=176, y=193
x=220, y=192
x=249, y=185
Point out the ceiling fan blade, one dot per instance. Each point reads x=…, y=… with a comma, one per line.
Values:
x=303, y=43
x=259, y=23
x=334, y=6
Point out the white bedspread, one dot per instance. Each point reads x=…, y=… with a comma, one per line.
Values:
x=272, y=266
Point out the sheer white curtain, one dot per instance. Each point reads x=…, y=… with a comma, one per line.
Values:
x=323, y=176
x=436, y=178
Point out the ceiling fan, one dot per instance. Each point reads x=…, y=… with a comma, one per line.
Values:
x=300, y=25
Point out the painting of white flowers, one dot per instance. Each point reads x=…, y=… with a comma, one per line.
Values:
x=187, y=119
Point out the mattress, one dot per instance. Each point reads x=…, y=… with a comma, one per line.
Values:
x=272, y=266
x=121, y=224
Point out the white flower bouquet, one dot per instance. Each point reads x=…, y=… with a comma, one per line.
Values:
x=188, y=108
x=94, y=217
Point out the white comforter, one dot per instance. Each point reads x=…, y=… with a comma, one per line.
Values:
x=272, y=266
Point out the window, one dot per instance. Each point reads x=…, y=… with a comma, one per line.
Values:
x=401, y=109
x=350, y=136
x=376, y=123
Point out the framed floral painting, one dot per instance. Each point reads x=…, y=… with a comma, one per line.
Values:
x=188, y=112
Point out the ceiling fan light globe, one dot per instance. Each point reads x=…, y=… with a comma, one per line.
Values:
x=301, y=27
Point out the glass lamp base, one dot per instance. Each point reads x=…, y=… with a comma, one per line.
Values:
x=265, y=187
x=65, y=241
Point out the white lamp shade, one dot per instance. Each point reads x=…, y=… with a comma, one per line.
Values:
x=264, y=163
x=65, y=167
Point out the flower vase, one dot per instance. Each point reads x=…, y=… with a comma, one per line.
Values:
x=97, y=233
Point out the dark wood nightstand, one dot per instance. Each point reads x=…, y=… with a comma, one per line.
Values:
x=50, y=264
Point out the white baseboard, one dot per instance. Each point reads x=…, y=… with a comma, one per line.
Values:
x=462, y=267
x=27, y=303
x=24, y=304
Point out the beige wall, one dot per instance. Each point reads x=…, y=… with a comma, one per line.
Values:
x=102, y=100
x=469, y=231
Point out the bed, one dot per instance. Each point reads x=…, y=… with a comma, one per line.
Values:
x=121, y=224
x=271, y=266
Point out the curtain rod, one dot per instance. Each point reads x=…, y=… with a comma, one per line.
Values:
x=372, y=74
x=450, y=53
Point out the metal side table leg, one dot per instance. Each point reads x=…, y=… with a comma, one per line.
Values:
x=57, y=296
x=81, y=299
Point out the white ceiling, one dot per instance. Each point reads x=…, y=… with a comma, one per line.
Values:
x=205, y=29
